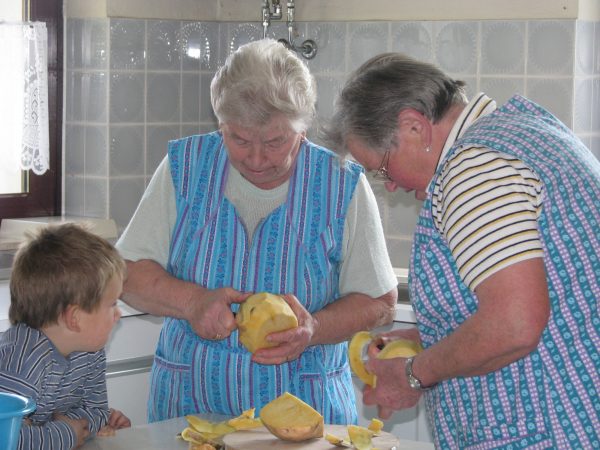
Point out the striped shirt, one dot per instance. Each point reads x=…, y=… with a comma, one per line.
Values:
x=75, y=386
x=486, y=204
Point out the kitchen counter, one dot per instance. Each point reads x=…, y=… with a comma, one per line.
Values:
x=161, y=436
x=404, y=311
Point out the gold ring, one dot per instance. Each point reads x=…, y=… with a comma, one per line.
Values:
x=218, y=336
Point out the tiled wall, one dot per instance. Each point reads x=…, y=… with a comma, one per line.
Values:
x=131, y=85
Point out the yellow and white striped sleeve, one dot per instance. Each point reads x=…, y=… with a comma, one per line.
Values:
x=486, y=206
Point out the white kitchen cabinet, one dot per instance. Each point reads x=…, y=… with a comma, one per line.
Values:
x=129, y=355
x=129, y=394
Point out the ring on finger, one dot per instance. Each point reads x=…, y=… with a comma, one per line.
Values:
x=218, y=336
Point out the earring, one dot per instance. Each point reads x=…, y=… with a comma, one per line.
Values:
x=428, y=149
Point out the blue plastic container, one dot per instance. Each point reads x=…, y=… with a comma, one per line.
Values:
x=12, y=410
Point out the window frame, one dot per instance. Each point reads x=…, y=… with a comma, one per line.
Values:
x=45, y=192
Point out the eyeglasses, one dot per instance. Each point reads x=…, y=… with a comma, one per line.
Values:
x=382, y=173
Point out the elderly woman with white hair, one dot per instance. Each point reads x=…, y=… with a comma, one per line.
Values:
x=254, y=207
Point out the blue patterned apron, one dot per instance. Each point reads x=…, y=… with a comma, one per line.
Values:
x=548, y=399
x=296, y=249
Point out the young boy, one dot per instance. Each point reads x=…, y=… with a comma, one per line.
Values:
x=64, y=287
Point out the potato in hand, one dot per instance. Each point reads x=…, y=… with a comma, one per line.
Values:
x=260, y=315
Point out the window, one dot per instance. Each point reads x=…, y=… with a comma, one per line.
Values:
x=42, y=194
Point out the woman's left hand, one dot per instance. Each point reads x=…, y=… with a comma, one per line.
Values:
x=290, y=343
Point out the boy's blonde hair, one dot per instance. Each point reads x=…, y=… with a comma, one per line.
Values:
x=61, y=265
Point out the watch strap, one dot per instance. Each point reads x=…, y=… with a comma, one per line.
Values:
x=413, y=381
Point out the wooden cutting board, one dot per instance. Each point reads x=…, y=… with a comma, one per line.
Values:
x=262, y=439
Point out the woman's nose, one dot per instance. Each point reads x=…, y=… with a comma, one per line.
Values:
x=256, y=154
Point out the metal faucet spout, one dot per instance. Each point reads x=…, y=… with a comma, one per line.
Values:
x=308, y=49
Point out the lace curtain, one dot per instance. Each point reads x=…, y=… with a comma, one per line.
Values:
x=24, y=96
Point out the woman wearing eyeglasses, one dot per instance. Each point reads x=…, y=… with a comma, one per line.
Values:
x=504, y=276
x=254, y=207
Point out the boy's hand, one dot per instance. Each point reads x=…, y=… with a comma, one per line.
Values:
x=79, y=426
x=116, y=421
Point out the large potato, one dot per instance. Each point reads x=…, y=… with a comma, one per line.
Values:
x=260, y=315
x=291, y=419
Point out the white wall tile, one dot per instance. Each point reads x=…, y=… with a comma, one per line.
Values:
x=127, y=97
x=162, y=49
x=366, y=40
x=124, y=196
x=86, y=96
x=96, y=158
x=74, y=149
x=456, y=46
x=96, y=197
x=86, y=44
x=127, y=152
x=554, y=95
x=503, y=47
x=331, y=52
x=596, y=50
x=127, y=44
x=413, y=39
x=584, y=48
x=595, y=146
x=502, y=88
x=582, y=117
x=551, y=47
x=198, y=45
x=190, y=97
x=596, y=105
x=206, y=111
x=163, y=97
x=328, y=88
x=157, y=138
x=74, y=195
x=240, y=34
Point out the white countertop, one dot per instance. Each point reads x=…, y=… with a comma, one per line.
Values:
x=161, y=436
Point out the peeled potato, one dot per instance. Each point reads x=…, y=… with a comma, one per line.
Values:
x=260, y=315
x=245, y=421
x=291, y=419
x=360, y=437
x=403, y=348
x=376, y=426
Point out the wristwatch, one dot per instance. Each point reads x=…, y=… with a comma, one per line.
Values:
x=413, y=381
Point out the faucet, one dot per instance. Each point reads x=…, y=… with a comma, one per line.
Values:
x=267, y=15
x=290, y=20
x=308, y=49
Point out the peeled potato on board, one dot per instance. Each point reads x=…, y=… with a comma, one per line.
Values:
x=204, y=432
x=291, y=419
x=402, y=348
x=245, y=421
x=260, y=315
x=360, y=437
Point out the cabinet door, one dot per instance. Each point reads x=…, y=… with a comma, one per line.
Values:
x=129, y=394
x=129, y=354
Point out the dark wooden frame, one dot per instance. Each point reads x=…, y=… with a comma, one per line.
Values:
x=44, y=196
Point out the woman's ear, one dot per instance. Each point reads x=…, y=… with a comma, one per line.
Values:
x=415, y=124
x=71, y=318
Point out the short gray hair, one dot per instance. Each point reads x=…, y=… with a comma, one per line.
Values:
x=262, y=79
x=379, y=90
